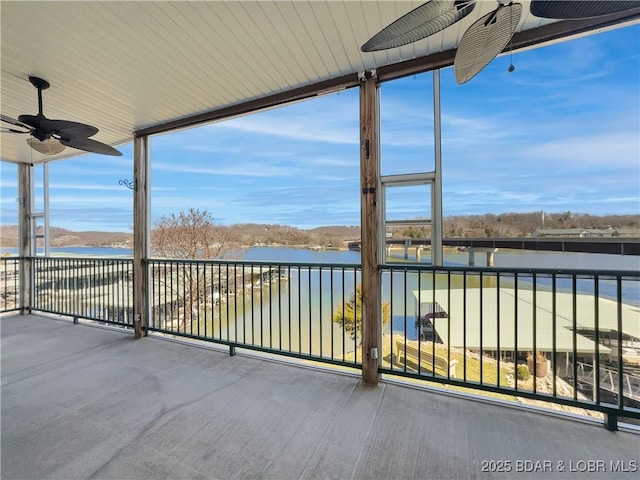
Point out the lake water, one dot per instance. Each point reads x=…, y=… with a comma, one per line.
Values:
x=503, y=258
x=298, y=313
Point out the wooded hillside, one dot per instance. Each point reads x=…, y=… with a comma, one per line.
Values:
x=488, y=225
x=61, y=237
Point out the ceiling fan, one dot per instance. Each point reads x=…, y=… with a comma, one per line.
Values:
x=52, y=136
x=489, y=35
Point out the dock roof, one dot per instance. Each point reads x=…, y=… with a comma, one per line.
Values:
x=490, y=310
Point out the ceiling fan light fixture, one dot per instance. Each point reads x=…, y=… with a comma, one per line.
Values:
x=49, y=146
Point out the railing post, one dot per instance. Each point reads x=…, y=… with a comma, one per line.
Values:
x=370, y=221
x=141, y=235
x=611, y=421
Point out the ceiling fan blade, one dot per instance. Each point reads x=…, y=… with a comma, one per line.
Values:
x=15, y=122
x=50, y=146
x=63, y=128
x=13, y=130
x=484, y=40
x=419, y=23
x=68, y=129
x=90, y=145
x=32, y=121
x=572, y=9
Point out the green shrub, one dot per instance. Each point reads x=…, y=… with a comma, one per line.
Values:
x=349, y=314
x=523, y=372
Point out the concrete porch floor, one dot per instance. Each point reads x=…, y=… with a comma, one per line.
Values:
x=85, y=402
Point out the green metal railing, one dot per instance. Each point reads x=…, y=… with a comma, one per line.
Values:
x=283, y=308
x=569, y=337
x=99, y=289
x=525, y=333
x=10, y=284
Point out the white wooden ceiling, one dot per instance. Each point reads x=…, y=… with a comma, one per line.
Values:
x=124, y=66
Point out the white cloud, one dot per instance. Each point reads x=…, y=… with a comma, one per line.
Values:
x=8, y=183
x=230, y=169
x=81, y=186
x=297, y=128
x=6, y=200
x=105, y=201
x=610, y=150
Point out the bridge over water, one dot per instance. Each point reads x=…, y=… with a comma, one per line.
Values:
x=619, y=246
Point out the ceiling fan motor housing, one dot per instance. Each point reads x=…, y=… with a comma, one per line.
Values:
x=41, y=134
x=39, y=83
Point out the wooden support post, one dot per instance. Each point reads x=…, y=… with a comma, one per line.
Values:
x=370, y=231
x=26, y=250
x=141, y=235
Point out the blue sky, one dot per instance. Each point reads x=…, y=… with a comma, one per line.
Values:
x=561, y=133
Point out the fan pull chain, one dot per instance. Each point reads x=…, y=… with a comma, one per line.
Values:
x=511, y=66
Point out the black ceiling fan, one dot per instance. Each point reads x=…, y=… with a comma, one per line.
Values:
x=489, y=35
x=52, y=136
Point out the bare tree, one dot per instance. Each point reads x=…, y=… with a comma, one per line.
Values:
x=191, y=236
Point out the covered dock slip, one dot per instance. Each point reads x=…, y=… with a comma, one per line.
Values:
x=72, y=407
x=592, y=343
x=492, y=319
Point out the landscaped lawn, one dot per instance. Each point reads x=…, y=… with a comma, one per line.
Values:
x=468, y=370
